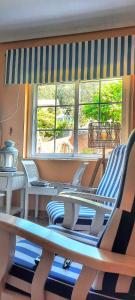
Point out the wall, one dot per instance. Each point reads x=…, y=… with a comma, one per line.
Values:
x=13, y=128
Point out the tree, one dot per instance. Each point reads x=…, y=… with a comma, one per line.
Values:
x=46, y=121
x=111, y=92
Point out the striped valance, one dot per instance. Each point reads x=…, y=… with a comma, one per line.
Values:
x=102, y=58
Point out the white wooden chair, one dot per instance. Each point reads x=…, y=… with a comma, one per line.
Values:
x=106, y=271
x=37, y=186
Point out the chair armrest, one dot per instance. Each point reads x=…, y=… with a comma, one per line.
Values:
x=75, y=199
x=71, y=211
x=92, y=197
x=52, y=241
x=81, y=189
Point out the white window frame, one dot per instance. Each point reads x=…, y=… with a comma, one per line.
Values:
x=75, y=155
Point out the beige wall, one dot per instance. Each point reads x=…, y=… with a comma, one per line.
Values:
x=13, y=128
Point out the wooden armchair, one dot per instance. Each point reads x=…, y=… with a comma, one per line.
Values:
x=81, y=217
x=96, y=273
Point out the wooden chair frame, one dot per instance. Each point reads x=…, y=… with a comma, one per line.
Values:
x=93, y=259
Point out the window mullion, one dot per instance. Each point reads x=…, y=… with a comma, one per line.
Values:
x=76, y=112
x=99, y=107
x=55, y=119
x=34, y=119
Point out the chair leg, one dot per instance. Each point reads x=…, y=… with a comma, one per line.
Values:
x=22, y=203
x=26, y=205
x=36, y=206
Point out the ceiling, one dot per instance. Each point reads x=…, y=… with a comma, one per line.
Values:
x=28, y=19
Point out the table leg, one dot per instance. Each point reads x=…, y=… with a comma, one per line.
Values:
x=8, y=201
x=2, y=202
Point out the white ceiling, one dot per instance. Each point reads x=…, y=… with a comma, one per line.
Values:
x=26, y=19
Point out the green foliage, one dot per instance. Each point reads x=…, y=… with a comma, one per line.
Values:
x=60, y=126
x=111, y=92
x=46, y=120
x=88, y=90
x=66, y=94
x=46, y=91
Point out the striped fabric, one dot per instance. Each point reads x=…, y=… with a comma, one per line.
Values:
x=108, y=187
x=59, y=281
x=78, y=236
x=109, y=184
x=55, y=212
x=95, y=59
x=121, y=229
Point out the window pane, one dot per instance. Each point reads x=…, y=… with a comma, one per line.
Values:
x=112, y=112
x=46, y=95
x=45, y=118
x=65, y=94
x=89, y=92
x=111, y=90
x=87, y=113
x=64, y=141
x=45, y=142
x=65, y=117
x=99, y=100
x=83, y=142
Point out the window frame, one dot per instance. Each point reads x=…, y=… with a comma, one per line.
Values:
x=75, y=155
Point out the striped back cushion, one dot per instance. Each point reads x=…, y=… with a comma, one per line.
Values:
x=109, y=184
x=120, y=238
x=119, y=234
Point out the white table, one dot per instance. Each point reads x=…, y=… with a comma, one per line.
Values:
x=11, y=181
x=37, y=191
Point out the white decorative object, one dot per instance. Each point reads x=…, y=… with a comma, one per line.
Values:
x=8, y=157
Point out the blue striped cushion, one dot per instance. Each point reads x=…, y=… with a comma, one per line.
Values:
x=76, y=235
x=108, y=187
x=109, y=184
x=55, y=211
x=59, y=281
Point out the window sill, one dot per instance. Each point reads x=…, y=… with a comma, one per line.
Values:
x=91, y=157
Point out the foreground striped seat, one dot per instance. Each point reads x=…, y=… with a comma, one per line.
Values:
x=59, y=281
x=108, y=187
x=118, y=237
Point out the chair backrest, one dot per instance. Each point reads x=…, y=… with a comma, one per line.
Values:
x=119, y=234
x=110, y=182
x=30, y=169
x=79, y=174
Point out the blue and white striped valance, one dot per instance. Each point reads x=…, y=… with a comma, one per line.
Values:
x=110, y=57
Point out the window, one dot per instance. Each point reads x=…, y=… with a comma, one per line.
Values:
x=63, y=111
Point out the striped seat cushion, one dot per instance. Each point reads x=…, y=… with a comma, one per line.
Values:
x=76, y=235
x=60, y=281
x=55, y=211
x=108, y=187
